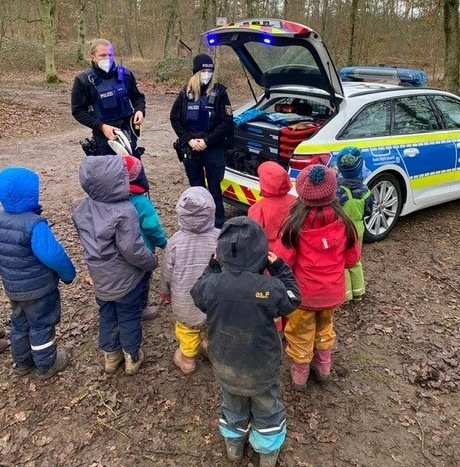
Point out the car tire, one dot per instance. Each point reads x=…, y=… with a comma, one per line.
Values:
x=388, y=201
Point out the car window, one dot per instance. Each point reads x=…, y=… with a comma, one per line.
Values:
x=282, y=59
x=450, y=110
x=372, y=121
x=413, y=115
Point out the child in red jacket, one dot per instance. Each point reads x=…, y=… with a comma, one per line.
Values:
x=318, y=241
x=271, y=211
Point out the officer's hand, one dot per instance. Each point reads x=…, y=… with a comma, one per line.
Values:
x=108, y=131
x=201, y=145
x=138, y=118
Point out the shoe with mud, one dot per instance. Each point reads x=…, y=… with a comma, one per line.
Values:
x=3, y=345
x=235, y=448
x=61, y=362
x=299, y=376
x=186, y=364
x=113, y=360
x=23, y=370
x=321, y=365
x=269, y=460
x=132, y=366
x=150, y=312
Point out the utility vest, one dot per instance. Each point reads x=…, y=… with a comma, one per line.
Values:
x=200, y=113
x=24, y=276
x=112, y=102
x=354, y=209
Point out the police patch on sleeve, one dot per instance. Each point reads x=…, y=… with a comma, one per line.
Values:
x=228, y=110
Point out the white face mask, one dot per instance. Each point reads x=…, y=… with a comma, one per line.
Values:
x=205, y=77
x=105, y=64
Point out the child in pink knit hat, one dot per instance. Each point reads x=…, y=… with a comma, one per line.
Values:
x=318, y=241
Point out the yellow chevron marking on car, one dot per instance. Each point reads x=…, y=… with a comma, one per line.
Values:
x=378, y=143
x=243, y=194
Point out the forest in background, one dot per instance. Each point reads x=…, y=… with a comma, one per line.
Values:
x=156, y=34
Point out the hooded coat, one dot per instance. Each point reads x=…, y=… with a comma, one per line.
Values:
x=31, y=259
x=187, y=253
x=271, y=211
x=240, y=303
x=108, y=227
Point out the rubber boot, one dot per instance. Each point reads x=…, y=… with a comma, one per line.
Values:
x=132, y=366
x=62, y=360
x=299, y=376
x=186, y=364
x=203, y=349
x=23, y=370
x=150, y=312
x=269, y=460
x=235, y=448
x=113, y=360
x=321, y=365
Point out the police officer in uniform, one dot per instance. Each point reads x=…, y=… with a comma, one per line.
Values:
x=106, y=98
x=202, y=118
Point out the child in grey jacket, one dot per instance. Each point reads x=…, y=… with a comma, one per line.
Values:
x=186, y=256
x=117, y=259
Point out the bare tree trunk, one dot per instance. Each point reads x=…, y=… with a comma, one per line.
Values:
x=49, y=15
x=81, y=32
x=353, y=19
x=452, y=53
x=127, y=28
x=171, y=29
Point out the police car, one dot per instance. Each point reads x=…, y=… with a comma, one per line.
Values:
x=409, y=136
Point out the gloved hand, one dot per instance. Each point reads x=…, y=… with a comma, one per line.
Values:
x=214, y=264
x=165, y=298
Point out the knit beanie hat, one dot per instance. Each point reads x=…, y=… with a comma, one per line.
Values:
x=350, y=163
x=316, y=185
x=138, y=182
x=202, y=62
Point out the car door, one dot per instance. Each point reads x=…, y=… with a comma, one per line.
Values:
x=427, y=152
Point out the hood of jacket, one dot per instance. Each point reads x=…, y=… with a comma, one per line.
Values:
x=242, y=245
x=196, y=210
x=19, y=190
x=273, y=179
x=104, y=178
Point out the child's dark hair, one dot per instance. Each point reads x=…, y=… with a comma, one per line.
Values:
x=292, y=226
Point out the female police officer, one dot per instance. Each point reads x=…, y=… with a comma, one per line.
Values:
x=202, y=118
x=106, y=98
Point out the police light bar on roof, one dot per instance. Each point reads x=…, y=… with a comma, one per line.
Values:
x=268, y=28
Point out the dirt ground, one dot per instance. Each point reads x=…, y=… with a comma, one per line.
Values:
x=394, y=395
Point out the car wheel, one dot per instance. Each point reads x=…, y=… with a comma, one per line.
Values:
x=387, y=206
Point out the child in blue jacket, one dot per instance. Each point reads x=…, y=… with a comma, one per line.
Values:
x=151, y=229
x=32, y=262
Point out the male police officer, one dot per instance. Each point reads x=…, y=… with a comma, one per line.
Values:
x=106, y=98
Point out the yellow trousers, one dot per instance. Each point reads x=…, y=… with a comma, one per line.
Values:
x=307, y=331
x=189, y=339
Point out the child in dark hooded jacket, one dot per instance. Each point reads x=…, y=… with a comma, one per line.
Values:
x=240, y=303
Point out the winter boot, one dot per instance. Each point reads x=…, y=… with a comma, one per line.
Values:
x=299, y=376
x=113, y=360
x=203, y=349
x=186, y=364
x=132, y=366
x=269, y=460
x=150, y=312
x=321, y=365
x=235, y=448
x=3, y=344
x=62, y=360
x=23, y=370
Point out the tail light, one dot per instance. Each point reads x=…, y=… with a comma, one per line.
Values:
x=299, y=162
